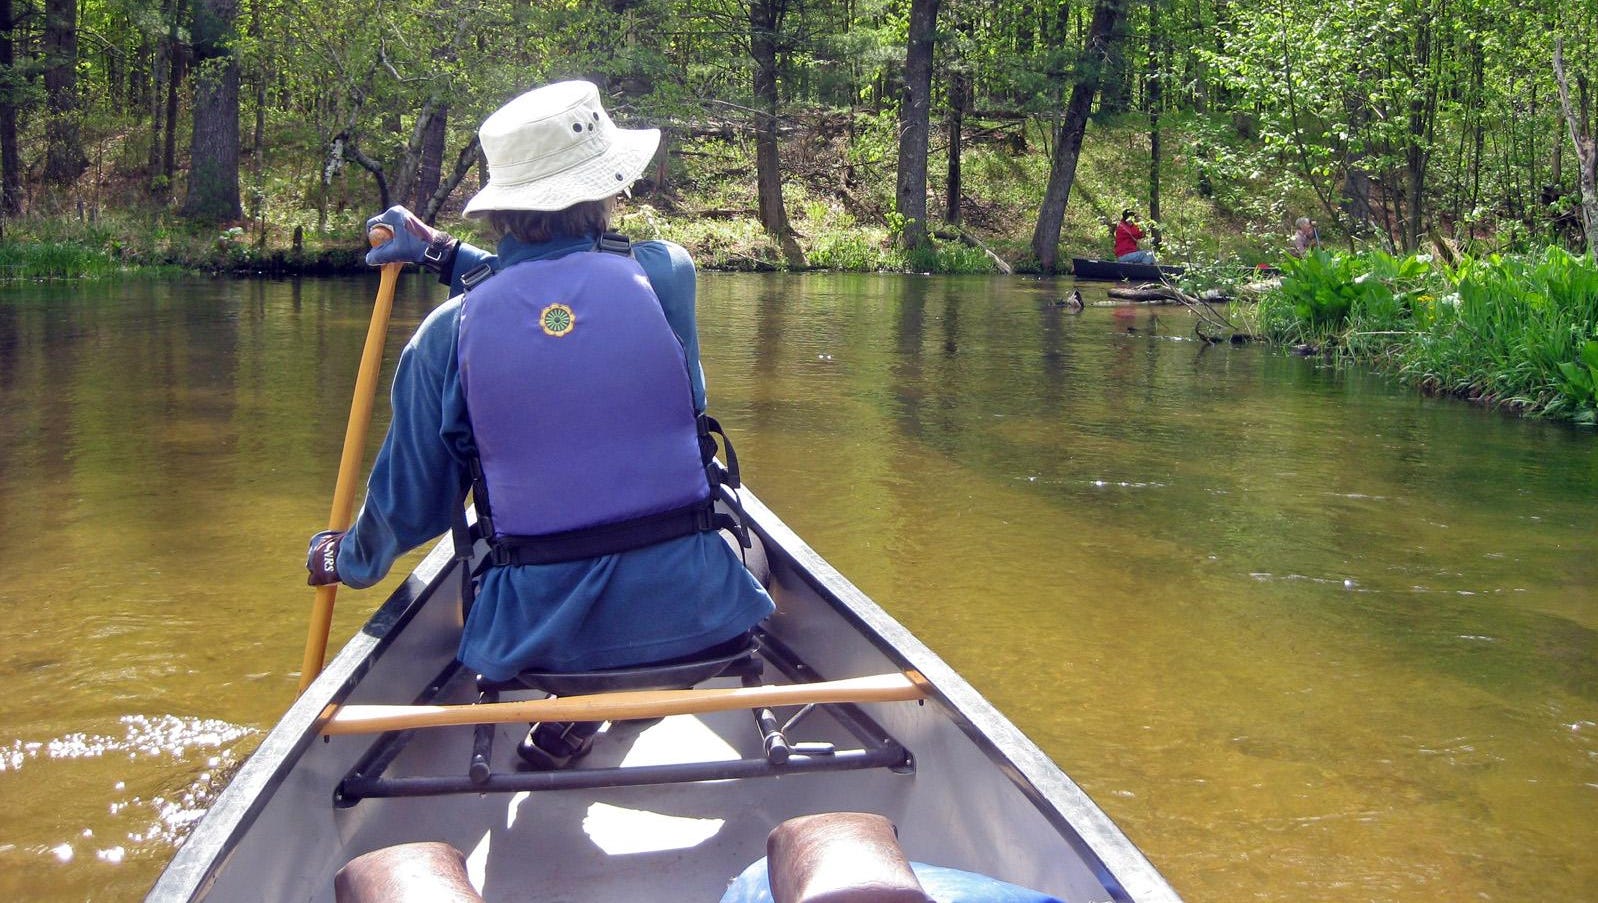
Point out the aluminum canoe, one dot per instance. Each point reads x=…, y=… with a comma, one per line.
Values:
x=964, y=786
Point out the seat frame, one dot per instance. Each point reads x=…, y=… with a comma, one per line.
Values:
x=781, y=756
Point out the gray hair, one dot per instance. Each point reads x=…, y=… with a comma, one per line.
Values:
x=1302, y=222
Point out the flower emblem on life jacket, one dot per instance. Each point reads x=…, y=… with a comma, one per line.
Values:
x=557, y=320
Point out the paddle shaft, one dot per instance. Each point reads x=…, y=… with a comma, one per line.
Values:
x=366, y=719
x=349, y=466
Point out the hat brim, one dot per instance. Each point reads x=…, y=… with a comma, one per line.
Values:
x=594, y=179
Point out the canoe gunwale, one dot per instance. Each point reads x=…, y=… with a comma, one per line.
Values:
x=204, y=852
x=1125, y=872
x=1095, y=270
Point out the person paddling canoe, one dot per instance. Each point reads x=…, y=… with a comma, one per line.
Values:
x=561, y=381
x=1127, y=236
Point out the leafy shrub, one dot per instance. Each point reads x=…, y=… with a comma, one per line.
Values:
x=846, y=251
x=1521, y=331
x=1581, y=383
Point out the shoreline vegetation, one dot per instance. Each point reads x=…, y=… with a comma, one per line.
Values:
x=1515, y=332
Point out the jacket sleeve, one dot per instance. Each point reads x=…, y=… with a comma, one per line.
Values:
x=671, y=273
x=419, y=477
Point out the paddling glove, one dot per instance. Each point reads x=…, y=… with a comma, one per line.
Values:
x=321, y=558
x=414, y=242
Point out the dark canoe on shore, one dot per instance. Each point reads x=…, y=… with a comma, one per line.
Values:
x=1115, y=271
x=660, y=810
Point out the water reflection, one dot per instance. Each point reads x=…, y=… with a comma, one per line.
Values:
x=1297, y=630
x=1300, y=633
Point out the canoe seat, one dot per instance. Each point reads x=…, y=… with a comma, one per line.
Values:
x=429, y=872
x=736, y=657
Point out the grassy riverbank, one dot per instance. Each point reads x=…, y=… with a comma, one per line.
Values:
x=1508, y=331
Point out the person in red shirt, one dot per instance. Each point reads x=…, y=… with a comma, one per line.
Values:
x=1127, y=235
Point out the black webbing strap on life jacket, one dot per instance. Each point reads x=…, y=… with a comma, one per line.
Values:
x=608, y=539
x=461, y=534
x=709, y=428
x=460, y=531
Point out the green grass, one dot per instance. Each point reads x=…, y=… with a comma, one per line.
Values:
x=55, y=260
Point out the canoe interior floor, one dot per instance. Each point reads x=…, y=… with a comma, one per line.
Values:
x=656, y=843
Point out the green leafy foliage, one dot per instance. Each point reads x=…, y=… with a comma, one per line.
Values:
x=1513, y=330
x=1581, y=382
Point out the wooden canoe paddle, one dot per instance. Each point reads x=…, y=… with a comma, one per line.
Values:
x=624, y=706
x=349, y=467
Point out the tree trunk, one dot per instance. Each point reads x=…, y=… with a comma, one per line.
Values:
x=959, y=101
x=159, y=69
x=345, y=148
x=213, y=194
x=915, y=122
x=463, y=165
x=1422, y=116
x=10, y=158
x=1154, y=96
x=403, y=185
x=431, y=165
x=959, y=96
x=1586, y=153
x=1102, y=35
x=765, y=17
x=64, y=158
x=262, y=74
x=169, y=152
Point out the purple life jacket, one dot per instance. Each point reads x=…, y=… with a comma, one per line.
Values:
x=582, y=411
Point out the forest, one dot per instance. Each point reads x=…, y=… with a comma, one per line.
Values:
x=1391, y=121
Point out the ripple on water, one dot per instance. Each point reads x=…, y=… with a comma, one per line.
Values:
x=162, y=735
x=159, y=819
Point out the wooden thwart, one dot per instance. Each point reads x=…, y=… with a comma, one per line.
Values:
x=626, y=706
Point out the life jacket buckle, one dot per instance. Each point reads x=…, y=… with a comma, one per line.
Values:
x=614, y=243
x=476, y=276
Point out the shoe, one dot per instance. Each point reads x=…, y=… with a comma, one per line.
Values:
x=553, y=745
x=629, y=729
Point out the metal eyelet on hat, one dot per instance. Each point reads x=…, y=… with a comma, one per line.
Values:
x=620, y=177
x=577, y=126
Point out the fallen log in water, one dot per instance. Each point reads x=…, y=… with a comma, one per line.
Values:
x=1148, y=293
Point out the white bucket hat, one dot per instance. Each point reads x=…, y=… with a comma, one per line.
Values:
x=554, y=147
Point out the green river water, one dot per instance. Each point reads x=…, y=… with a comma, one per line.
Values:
x=1304, y=635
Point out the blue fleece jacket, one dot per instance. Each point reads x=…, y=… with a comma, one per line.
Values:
x=645, y=605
